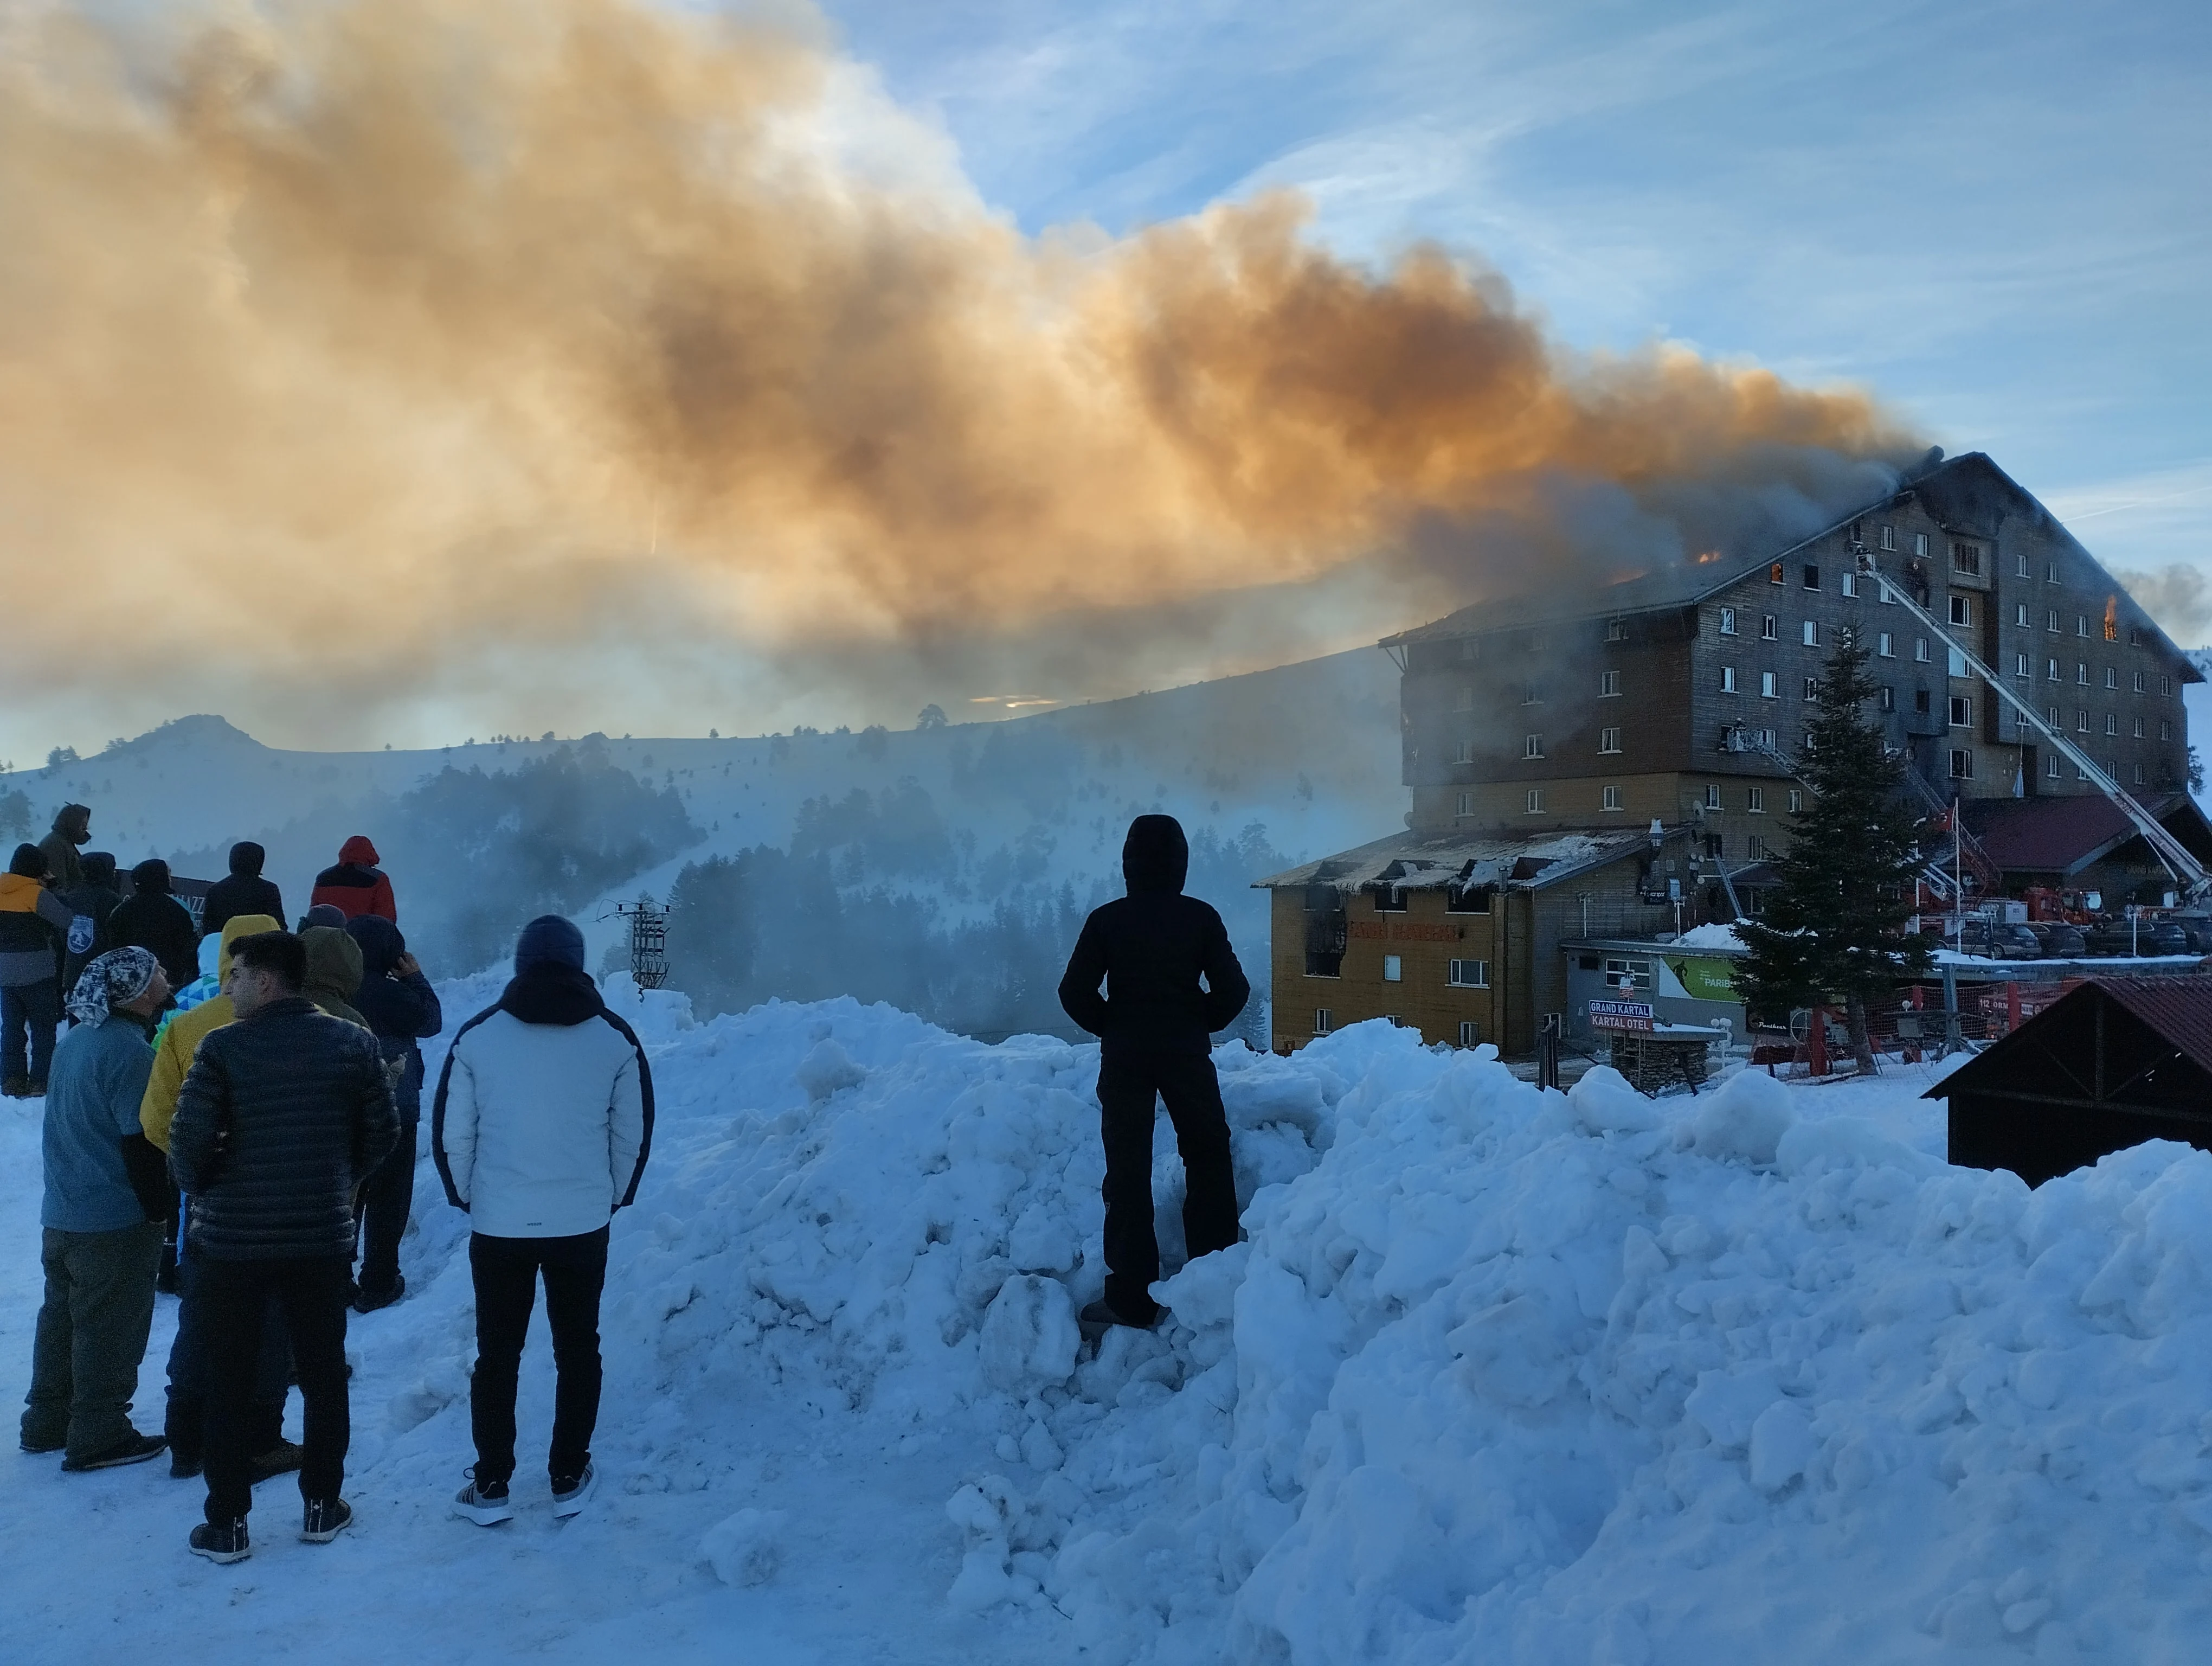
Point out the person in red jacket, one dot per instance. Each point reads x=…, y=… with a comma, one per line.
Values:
x=356, y=885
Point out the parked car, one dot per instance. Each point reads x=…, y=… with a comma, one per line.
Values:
x=2000, y=942
x=2060, y=940
x=2141, y=936
x=2162, y=937
x=2199, y=930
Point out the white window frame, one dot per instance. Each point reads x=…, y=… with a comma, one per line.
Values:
x=1394, y=969
x=1755, y=800
x=1609, y=740
x=1885, y=646
x=1766, y=685
x=1532, y=747
x=1532, y=802
x=1727, y=679
x=1469, y=974
x=1809, y=632
x=1609, y=798
x=1728, y=621
x=1324, y=1020
x=1608, y=685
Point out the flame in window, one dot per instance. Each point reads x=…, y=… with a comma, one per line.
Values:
x=2111, y=619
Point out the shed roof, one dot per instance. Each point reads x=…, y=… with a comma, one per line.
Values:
x=2065, y=835
x=2178, y=1010
x=1416, y=861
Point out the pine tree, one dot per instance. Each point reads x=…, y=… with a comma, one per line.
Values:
x=1834, y=929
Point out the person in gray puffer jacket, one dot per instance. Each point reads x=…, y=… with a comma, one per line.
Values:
x=285, y=1113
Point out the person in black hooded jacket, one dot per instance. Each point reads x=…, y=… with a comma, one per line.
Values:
x=1154, y=1024
x=244, y=892
x=94, y=900
x=401, y=1009
x=149, y=918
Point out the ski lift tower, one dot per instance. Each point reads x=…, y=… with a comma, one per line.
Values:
x=648, y=940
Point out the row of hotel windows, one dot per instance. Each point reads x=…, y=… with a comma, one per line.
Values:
x=1459, y=974
x=2054, y=768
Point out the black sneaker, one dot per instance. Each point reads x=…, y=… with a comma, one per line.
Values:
x=226, y=1544
x=325, y=1519
x=136, y=1449
x=282, y=1459
x=368, y=1301
x=183, y=1466
x=40, y=1448
x=16, y=1087
x=570, y=1492
x=483, y=1502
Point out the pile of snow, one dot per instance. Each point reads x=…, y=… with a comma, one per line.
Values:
x=1711, y=935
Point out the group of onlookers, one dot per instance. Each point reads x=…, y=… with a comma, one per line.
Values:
x=263, y=1088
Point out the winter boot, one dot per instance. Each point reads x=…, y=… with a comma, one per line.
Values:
x=368, y=1301
x=325, y=1519
x=483, y=1502
x=283, y=1459
x=136, y=1449
x=226, y=1544
x=570, y=1492
x=1099, y=1316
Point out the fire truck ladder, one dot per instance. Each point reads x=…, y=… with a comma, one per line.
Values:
x=2188, y=873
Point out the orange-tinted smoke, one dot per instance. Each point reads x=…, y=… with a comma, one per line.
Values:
x=427, y=323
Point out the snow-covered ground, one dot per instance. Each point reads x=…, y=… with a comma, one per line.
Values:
x=1500, y=1375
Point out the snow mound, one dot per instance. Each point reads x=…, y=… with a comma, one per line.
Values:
x=1500, y=1373
x=1711, y=935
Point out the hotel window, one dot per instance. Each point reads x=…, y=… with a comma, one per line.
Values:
x=2053, y=718
x=1466, y=701
x=1920, y=544
x=1962, y=611
x=2051, y=572
x=1774, y=574
x=1849, y=582
x=1620, y=971
x=2020, y=566
x=1770, y=629
x=1608, y=684
x=1469, y=974
x=1962, y=764
x=2051, y=620
x=1920, y=701
x=1962, y=711
x=1811, y=576
x=2082, y=719
x=2138, y=775
x=1463, y=752
x=1611, y=799
x=1886, y=646
x=1728, y=621
x=2166, y=685
x=2139, y=728
x=1470, y=1033
x=1889, y=537
x=1886, y=700
x=2081, y=674
x=1532, y=802
x=1616, y=631
x=1966, y=558
x=1754, y=848
x=2019, y=616
x=1465, y=804
x=1796, y=799
x=1811, y=632
x=2051, y=671
x=1755, y=800
x=2081, y=624
x=1955, y=661
x=2112, y=723
x=1713, y=793
x=1324, y=1020
x=2021, y=666
x=1812, y=688
x=2166, y=728
x=1727, y=679
x=1533, y=747
x=2141, y=684
x=1920, y=649
x=2050, y=766
x=1532, y=694
x=2112, y=678
x=1765, y=738
x=1394, y=969
x=1609, y=740
x=1767, y=684
x=1467, y=647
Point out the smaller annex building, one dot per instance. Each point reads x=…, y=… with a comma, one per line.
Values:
x=2111, y=1064
x=1461, y=935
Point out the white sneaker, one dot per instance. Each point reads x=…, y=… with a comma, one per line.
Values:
x=567, y=1501
x=484, y=1503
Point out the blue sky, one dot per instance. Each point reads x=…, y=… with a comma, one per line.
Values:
x=1994, y=216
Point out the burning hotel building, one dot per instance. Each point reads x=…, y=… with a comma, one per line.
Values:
x=1615, y=765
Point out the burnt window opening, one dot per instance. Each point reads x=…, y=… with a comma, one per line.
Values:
x=1811, y=576
x=1326, y=932
x=1920, y=701
x=1386, y=898
x=1469, y=899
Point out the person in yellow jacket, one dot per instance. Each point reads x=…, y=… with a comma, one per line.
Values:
x=173, y=1051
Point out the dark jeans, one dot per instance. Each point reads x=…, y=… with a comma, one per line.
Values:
x=506, y=1272
x=189, y=1382
x=380, y=1216
x=34, y=1009
x=1128, y=1084
x=235, y=1297
x=91, y=1336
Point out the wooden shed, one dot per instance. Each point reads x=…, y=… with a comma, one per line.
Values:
x=2115, y=1063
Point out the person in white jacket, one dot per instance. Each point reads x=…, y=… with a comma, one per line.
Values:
x=540, y=1128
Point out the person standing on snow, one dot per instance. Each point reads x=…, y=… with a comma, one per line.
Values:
x=92, y=901
x=244, y=892
x=35, y=927
x=101, y=1221
x=356, y=885
x=334, y=968
x=1153, y=1023
x=149, y=918
x=541, y=1127
x=286, y=1111
x=402, y=1009
x=72, y=828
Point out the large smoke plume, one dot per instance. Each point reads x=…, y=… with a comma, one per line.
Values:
x=585, y=362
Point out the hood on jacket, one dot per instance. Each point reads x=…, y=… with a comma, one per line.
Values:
x=237, y=926
x=74, y=822
x=1155, y=857
x=19, y=893
x=150, y=877
x=323, y=914
x=246, y=859
x=550, y=938
x=548, y=992
x=210, y=957
x=334, y=963
x=29, y=862
x=99, y=868
x=381, y=944
x=358, y=852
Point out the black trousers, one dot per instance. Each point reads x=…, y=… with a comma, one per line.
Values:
x=1129, y=1083
x=381, y=1217
x=190, y=1382
x=506, y=1272
x=29, y=1015
x=233, y=1296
